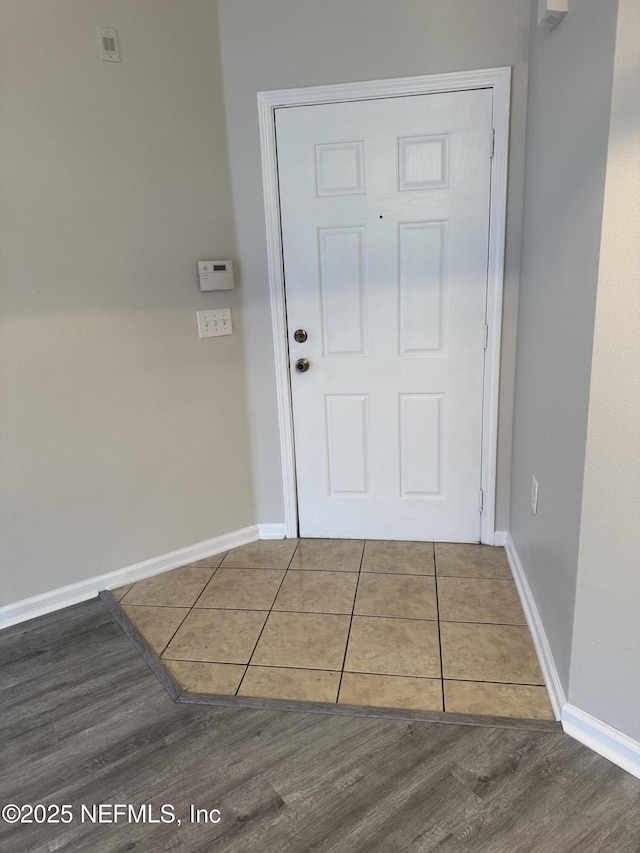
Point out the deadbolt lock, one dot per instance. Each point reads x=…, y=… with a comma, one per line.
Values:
x=300, y=336
x=302, y=365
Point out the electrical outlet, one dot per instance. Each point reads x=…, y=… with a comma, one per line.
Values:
x=214, y=323
x=534, y=494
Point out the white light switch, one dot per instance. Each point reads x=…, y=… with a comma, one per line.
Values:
x=212, y=324
x=109, y=47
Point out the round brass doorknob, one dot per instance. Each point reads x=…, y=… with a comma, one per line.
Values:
x=302, y=365
x=300, y=336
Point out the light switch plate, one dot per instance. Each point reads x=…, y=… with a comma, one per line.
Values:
x=214, y=323
x=109, y=47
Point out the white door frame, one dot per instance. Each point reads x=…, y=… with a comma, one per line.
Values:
x=498, y=79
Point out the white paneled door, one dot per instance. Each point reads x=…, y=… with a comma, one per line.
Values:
x=385, y=228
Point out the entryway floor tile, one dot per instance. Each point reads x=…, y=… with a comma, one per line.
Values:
x=242, y=589
x=261, y=555
x=120, y=592
x=476, y=652
x=419, y=626
x=156, y=624
x=220, y=636
x=204, y=677
x=177, y=588
x=472, y=561
x=393, y=647
x=498, y=700
x=411, y=558
x=479, y=600
x=309, y=640
x=307, y=685
x=391, y=691
x=317, y=592
x=333, y=555
x=409, y=596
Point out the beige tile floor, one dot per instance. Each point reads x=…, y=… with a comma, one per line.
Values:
x=411, y=625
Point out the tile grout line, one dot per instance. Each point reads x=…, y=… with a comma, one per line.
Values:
x=215, y=572
x=506, y=683
x=186, y=616
x=346, y=572
x=122, y=601
x=435, y=575
x=167, y=644
x=353, y=608
x=366, y=672
x=335, y=613
x=286, y=572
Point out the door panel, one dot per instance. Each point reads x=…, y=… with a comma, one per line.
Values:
x=385, y=217
x=423, y=250
x=422, y=445
x=348, y=444
x=343, y=291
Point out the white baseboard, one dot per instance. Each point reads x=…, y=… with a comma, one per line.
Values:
x=65, y=596
x=550, y=674
x=272, y=531
x=500, y=538
x=593, y=733
x=602, y=738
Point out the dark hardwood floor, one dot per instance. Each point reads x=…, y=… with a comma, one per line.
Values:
x=83, y=721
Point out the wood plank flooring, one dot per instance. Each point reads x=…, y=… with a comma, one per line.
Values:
x=83, y=721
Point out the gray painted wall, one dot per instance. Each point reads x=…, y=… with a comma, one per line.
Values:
x=570, y=77
x=114, y=182
x=605, y=660
x=292, y=43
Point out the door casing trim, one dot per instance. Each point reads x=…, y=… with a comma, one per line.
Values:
x=498, y=79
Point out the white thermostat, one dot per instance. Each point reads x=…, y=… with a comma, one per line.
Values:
x=215, y=275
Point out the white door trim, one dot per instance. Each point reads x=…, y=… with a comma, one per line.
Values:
x=498, y=79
